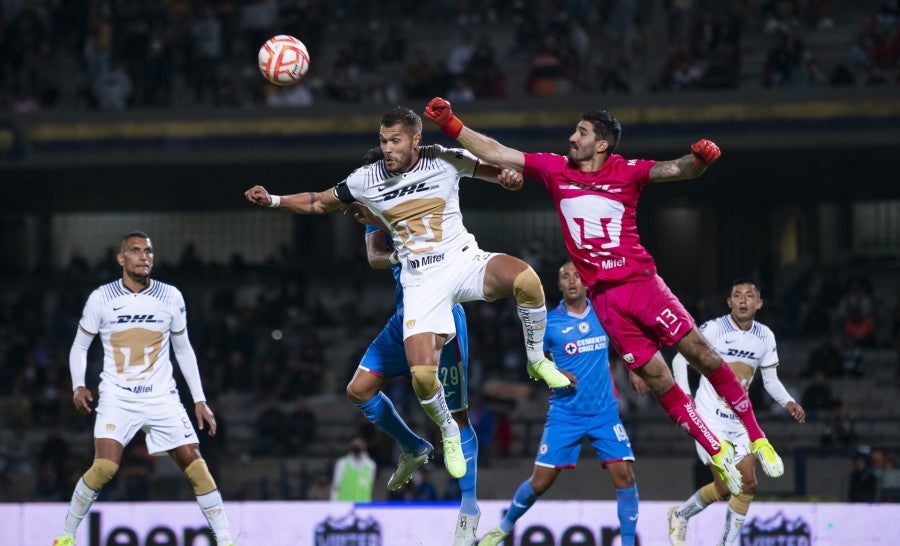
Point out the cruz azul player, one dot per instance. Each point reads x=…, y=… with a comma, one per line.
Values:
x=579, y=346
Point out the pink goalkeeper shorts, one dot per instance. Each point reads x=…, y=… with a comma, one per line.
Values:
x=640, y=317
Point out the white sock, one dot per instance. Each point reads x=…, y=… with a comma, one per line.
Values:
x=534, y=325
x=733, y=524
x=82, y=499
x=691, y=507
x=214, y=510
x=436, y=410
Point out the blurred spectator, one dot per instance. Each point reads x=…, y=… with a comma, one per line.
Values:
x=503, y=435
x=840, y=426
x=722, y=72
x=320, y=488
x=136, y=473
x=781, y=17
x=782, y=61
x=817, y=397
x=680, y=71
x=53, y=454
x=825, y=358
x=851, y=357
x=114, y=88
x=547, y=75
x=354, y=474
x=484, y=73
x=421, y=77
x=302, y=424
x=290, y=96
x=270, y=427
x=425, y=490
x=460, y=54
x=461, y=91
x=863, y=482
x=206, y=54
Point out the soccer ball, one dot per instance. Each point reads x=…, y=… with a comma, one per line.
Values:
x=283, y=59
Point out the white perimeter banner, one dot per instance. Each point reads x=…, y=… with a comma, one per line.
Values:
x=549, y=523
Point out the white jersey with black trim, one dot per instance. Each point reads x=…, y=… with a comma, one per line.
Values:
x=134, y=329
x=420, y=206
x=744, y=351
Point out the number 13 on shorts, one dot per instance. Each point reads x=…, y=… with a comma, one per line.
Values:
x=670, y=321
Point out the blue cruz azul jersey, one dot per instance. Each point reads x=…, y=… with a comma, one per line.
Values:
x=579, y=345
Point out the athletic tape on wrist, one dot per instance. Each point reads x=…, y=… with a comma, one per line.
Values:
x=275, y=201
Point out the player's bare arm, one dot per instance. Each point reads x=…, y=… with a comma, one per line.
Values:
x=321, y=202
x=510, y=179
x=482, y=146
x=380, y=250
x=703, y=154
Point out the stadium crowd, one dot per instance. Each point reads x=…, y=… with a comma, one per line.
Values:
x=142, y=54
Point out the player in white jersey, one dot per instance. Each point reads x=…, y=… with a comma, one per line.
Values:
x=414, y=193
x=746, y=346
x=139, y=321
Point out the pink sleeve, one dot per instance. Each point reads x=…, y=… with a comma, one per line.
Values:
x=641, y=171
x=542, y=166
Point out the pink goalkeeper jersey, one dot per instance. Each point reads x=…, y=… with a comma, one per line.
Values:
x=597, y=211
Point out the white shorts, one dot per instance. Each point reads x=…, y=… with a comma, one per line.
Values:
x=428, y=307
x=725, y=428
x=164, y=421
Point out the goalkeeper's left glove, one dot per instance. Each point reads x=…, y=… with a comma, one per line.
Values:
x=705, y=152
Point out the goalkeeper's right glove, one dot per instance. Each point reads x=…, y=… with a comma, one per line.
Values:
x=438, y=111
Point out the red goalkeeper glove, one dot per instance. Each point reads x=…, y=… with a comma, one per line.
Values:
x=438, y=111
x=705, y=152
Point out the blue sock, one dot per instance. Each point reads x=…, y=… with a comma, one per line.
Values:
x=628, y=513
x=520, y=504
x=469, y=504
x=380, y=411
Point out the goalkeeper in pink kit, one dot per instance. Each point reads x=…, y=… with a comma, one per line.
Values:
x=596, y=193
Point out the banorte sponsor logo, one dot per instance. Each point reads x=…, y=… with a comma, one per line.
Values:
x=702, y=426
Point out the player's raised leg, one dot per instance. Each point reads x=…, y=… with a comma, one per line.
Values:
x=681, y=409
x=506, y=275
x=425, y=347
x=698, y=352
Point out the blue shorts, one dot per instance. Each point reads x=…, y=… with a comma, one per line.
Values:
x=563, y=432
x=386, y=357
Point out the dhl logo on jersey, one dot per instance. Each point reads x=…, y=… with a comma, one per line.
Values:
x=133, y=319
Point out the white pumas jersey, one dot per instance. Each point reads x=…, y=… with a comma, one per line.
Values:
x=134, y=329
x=743, y=351
x=420, y=206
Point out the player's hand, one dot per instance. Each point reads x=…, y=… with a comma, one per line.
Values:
x=82, y=400
x=705, y=152
x=205, y=415
x=511, y=179
x=258, y=195
x=796, y=412
x=438, y=110
x=571, y=377
x=360, y=213
x=637, y=384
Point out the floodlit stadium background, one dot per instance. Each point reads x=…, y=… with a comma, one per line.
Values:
x=806, y=199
